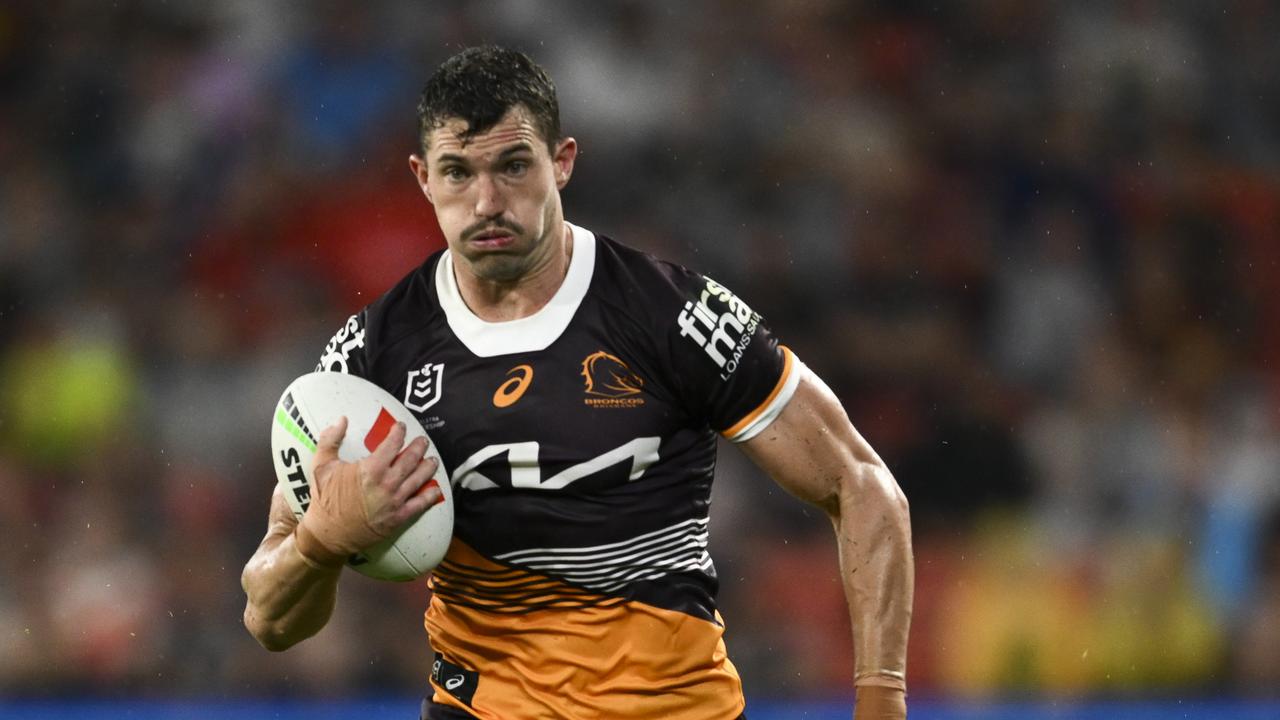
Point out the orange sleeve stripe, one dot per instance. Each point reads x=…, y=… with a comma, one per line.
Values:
x=788, y=365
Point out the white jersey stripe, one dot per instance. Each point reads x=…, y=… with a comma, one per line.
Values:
x=613, y=583
x=643, y=561
x=608, y=567
x=624, y=544
x=689, y=564
x=698, y=539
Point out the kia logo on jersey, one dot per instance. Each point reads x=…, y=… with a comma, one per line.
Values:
x=423, y=386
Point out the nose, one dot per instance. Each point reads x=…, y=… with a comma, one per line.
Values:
x=489, y=198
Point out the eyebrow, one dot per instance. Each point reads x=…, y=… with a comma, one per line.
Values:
x=519, y=147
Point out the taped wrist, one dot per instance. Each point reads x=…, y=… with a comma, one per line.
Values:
x=336, y=525
x=314, y=552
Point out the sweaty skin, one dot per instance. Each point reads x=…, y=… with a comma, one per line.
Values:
x=814, y=452
x=496, y=195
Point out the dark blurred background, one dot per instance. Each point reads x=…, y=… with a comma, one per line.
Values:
x=1034, y=248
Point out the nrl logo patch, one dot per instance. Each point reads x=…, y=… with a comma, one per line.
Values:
x=423, y=386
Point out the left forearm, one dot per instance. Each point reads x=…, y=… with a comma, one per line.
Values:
x=873, y=531
x=814, y=452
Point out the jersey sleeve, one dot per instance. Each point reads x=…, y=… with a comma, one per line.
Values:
x=347, y=351
x=728, y=366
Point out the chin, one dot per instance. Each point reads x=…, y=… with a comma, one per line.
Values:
x=499, y=268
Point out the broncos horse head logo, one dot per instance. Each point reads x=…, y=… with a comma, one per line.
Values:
x=606, y=375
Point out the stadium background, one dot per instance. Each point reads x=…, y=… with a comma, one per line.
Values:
x=1033, y=247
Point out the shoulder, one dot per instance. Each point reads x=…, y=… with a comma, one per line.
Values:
x=632, y=278
x=666, y=299
x=719, y=358
x=643, y=286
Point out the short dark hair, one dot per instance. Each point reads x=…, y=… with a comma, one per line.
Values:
x=479, y=85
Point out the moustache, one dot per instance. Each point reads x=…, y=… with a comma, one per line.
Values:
x=489, y=226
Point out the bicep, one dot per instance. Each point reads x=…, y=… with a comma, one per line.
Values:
x=812, y=449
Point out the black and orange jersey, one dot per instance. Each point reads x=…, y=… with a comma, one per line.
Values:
x=581, y=444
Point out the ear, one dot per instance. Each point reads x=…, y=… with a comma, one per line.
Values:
x=419, y=168
x=565, y=155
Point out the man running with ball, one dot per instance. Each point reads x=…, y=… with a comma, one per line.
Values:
x=574, y=388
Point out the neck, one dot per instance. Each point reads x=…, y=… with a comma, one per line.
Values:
x=500, y=301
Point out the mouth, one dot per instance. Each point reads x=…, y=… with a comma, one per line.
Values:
x=491, y=239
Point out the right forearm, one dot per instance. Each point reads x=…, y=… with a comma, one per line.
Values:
x=289, y=599
x=292, y=588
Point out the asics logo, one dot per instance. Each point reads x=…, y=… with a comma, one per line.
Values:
x=509, y=392
x=454, y=682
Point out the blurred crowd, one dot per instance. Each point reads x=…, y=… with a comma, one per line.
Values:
x=1034, y=247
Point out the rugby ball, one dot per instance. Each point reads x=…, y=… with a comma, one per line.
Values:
x=317, y=400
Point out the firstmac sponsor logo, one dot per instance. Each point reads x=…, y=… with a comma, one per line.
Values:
x=338, y=352
x=721, y=324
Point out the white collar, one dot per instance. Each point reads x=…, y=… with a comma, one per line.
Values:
x=526, y=334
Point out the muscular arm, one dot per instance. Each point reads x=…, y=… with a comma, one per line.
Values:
x=290, y=599
x=292, y=588
x=814, y=452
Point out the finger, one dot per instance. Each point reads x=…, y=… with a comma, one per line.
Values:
x=411, y=455
x=390, y=446
x=418, y=480
x=329, y=442
x=419, y=502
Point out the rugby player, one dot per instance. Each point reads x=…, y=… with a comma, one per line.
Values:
x=574, y=388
